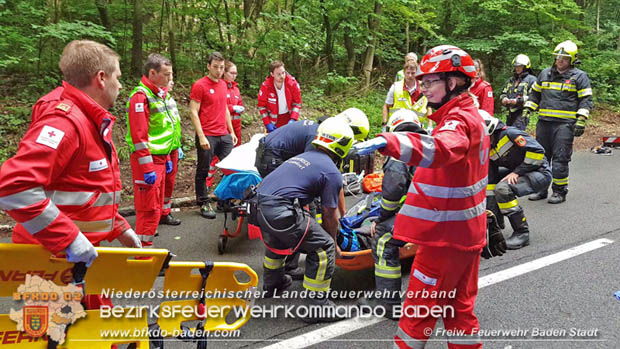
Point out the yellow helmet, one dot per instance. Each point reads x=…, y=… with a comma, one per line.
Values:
x=566, y=49
x=335, y=135
x=522, y=60
x=358, y=122
x=401, y=118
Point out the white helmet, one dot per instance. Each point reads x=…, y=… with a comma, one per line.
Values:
x=358, y=122
x=523, y=60
x=402, y=117
x=490, y=122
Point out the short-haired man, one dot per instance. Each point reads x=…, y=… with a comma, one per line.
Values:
x=279, y=97
x=153, y=135
x=214, y=131
x=63, y=186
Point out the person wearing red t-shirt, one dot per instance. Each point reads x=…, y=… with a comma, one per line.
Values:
x=279, y=98
x=482, y=89
x=213, y=126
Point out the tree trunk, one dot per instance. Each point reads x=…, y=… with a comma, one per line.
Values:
x=407, y=38
x=228, y=28
x=373, y=26
x=171, y=43
x=598, y=16
x=136, y=48
x=161, y=26
x=348, y=44
x=102, y=7
x=329, y=39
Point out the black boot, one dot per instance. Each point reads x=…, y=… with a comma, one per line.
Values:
x=521, y=235
x=538, y=196
x=559, y=195
x=285, y=283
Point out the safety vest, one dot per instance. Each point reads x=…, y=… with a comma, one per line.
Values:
x=164, y=122
x=402, y=100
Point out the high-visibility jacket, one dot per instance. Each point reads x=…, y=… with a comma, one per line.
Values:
x=155, y=127
x=518, y=87
x=445, y=204
x=65, y=177
x=268, y=99
x=561, y=97
x=416, y=102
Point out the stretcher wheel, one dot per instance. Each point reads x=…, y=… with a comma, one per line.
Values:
x=221, y=244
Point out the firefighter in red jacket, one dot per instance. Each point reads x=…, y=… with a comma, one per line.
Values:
x=63, y=186
x=482, y=89
x=444, y=212
x=279, y=98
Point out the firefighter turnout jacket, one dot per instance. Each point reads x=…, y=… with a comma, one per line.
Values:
x=65, y=176
x=516, y=151
x=396, y=179
x=518, y=87
x=561, y=97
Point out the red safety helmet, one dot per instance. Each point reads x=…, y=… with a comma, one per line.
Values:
x=445, y=59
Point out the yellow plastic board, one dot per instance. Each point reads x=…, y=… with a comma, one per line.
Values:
x=115, y=268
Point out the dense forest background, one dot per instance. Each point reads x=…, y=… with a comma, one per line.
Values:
x=343, y=52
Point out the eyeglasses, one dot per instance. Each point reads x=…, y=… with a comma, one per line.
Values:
x=429, y=83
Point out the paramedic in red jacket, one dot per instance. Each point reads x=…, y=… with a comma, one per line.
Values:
x=444, y=212
x=279, y=98
x=233, y=98
x=482, y=89
x=63, y=186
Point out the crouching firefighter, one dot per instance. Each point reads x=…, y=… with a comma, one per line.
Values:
x=385, y=248
x=287, y=228
x=517, y=167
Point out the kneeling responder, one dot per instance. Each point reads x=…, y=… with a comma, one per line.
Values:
x=296, y=138
x=386, y=249
x=517, y=167
x=287, y=228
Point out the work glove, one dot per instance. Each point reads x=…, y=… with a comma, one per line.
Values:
x=496, y=244
x=180, y=153
x=129, y=238
x=370, y=146
x=238, y=109
x=81, y=250
x=270, y=127
x=291, y=121
x=150, y=177
x=168, y=167
x=580, y=126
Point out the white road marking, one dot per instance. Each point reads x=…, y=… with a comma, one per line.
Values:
x=343, y=327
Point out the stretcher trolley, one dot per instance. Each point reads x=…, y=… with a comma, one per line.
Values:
x=240, y=174
x=230, y=193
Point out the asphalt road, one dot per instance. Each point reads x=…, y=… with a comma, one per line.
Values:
x=567, y=304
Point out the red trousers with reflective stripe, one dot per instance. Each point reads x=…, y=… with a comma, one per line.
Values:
x=148, y=199
x=169, y=182
x=441, y=269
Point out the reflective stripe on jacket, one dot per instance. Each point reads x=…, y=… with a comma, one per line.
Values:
x=445, y=204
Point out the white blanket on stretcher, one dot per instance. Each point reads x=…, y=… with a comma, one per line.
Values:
x=242, y=158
